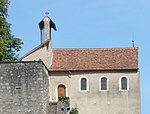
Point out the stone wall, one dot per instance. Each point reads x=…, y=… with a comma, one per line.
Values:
x=24, y=88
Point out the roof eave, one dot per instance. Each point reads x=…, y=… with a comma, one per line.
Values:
x=64, y=70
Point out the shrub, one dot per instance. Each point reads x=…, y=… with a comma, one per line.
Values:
x=74, y=111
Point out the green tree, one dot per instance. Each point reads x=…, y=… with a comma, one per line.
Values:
x=9, y=45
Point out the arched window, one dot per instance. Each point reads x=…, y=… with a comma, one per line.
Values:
x=103, y=83
x=124, y=83
x=83, y=84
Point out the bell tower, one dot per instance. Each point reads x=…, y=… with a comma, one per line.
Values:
x=43, y=52
x=45, y=26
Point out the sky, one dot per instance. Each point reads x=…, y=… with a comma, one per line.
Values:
x=88, y=24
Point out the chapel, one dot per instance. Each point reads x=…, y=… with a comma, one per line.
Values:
x=96, y=80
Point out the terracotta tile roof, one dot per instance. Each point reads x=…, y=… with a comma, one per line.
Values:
x=94, y=59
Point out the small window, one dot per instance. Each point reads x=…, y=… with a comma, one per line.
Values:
x=124, y=83
x=104, y=83
x=83, y=84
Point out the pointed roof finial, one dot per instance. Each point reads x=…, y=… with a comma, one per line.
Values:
x=133, y=43
x=46, y=13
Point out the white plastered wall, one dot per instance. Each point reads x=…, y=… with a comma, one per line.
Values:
x=94, y=101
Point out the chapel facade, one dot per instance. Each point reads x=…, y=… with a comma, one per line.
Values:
x=97, y=80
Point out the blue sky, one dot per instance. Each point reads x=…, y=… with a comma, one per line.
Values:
x=88, y=24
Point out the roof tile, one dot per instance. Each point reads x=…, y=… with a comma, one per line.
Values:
x=94, y=59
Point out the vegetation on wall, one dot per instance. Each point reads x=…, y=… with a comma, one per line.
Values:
x=9, y=44
x=74, y=111
x=64, y=100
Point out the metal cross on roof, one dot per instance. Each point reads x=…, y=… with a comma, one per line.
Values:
x=46, y=13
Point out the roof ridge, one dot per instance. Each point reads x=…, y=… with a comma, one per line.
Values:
x=93, y=48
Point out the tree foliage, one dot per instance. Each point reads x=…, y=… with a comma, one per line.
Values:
x=9, y=44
